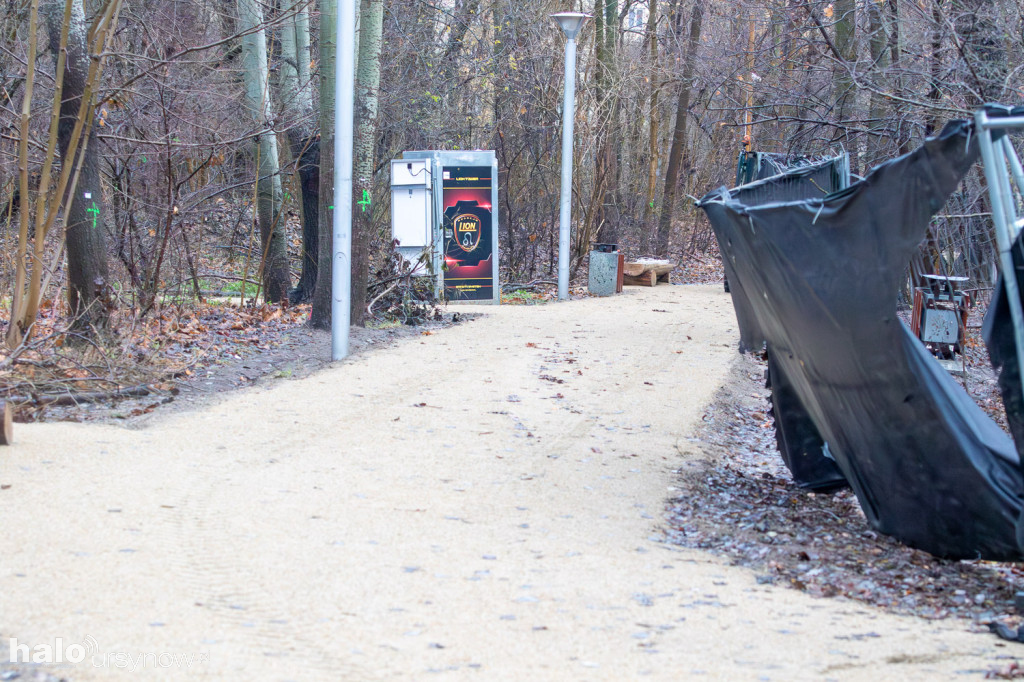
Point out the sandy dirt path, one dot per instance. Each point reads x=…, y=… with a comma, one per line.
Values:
x=479, y=503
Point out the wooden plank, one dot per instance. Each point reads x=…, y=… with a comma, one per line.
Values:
x=915, y=316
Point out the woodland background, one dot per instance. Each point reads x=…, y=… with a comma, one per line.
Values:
x=160, y=152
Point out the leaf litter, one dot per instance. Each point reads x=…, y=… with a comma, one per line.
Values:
x=738, y=500
x=179, y=355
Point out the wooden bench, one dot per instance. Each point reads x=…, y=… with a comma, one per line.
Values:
x=647, y=273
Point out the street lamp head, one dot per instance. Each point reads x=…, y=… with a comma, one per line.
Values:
x=571, y=22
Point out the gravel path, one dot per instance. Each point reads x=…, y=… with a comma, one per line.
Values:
x=482, y=502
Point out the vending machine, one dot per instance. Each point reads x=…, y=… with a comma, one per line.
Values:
x=464, y=225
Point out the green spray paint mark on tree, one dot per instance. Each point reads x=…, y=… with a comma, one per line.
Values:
x=95, y=211
x=366, y=200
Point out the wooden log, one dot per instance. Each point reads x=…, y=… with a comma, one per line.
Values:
x=633, y=269
x=648, y=279
x=7, y=432
x=647, y=274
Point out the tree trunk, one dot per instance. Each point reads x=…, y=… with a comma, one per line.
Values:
x=602, y=199
x=302, y=41
x=878, y=147
x=308, y=161
x=88, y=278
x=599, y=49
x=977, y=26
x=19, y=324
x=462, y=17
x=844, y=96
x=371, y=28
x=934, y=120
x=276, y=276
x=901, y=136
x=654, y=116
x=297, y=109
x=675, y=157
x=320, y=317
x=609, y=232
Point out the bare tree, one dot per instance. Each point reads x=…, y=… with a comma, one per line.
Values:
x=297, y=114
x=371, y=27
x=675, y=157
x=276, y=276
x=70, y=132
x=320, y=318
x=89, y=294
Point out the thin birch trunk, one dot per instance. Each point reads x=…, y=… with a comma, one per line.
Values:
x=275, y=273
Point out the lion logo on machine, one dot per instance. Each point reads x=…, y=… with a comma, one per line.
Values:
x=468, y=229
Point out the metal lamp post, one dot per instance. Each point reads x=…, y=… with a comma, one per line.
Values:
x=344, y=115
x=571, y=23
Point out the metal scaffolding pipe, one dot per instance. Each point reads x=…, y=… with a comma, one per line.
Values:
x=1004, y=216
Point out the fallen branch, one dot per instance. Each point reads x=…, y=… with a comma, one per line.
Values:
x=78, y=398
x=516, y=286
x=369, y=308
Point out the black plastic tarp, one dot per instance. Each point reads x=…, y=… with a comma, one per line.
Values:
x=787, y=178
x=998, y=335
x=812, y=180
x=760, y=165
x=820, y=277
x=800, y=444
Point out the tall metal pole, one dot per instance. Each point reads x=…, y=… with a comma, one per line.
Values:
x=1003, y=216
x=565, y=212
x=341, y=263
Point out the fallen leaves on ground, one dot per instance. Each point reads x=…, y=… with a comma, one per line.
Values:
x=145, y=353
x=1013, y=671
x=740, y=501
x=699, y=268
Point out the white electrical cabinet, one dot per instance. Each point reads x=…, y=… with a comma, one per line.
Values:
x=412, y=213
